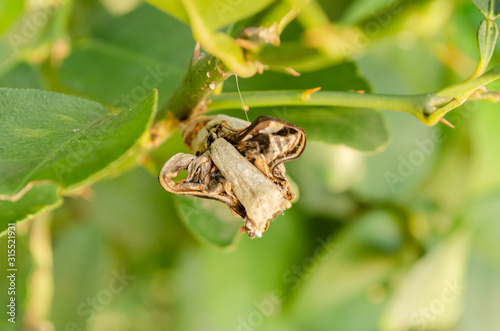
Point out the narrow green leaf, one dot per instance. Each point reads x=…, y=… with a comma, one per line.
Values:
x=487, y=35
x=64, y=139
x=210, y=221
x=39, y=198
x=489, y=8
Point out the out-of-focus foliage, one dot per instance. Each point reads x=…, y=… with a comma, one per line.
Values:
x=405, y=239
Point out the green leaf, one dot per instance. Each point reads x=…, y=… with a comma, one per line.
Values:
x=342, y=270
x=206, y=18
x=215, y=14
x=33, y=31
x=361, y=9
x=431, y=296
x=64, y=139
x=124, y=78
x=219, y=44
x=37, y=199
x=210, y=221
x=129, y=56
x=482, y=292
x=361, y=129
x=487, y=35
x=340, y=77
x=21, y=76
x=482, y=289
x=485, y=139
x=358, y=128
x=172, y=7
x=87, y=241
x=489, y=8
x=482, y=216
x=145, y=33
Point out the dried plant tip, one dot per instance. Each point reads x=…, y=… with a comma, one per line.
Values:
x=238, y=163
x=257, y=193
x=292, y=72
x=202, y=181
x=268, y=34
x=307, y=93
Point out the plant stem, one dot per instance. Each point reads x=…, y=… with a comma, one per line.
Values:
x=203, y=75
x=418, y=105
x=471, y=85
x=462, y=92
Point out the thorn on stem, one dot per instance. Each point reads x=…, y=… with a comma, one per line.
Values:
x=247, y=44
x=307, y=93
x=480, y=91
x=442, y=120
x=260, y=67
x=197, y=55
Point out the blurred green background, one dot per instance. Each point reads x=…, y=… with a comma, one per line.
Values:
x=403, y=239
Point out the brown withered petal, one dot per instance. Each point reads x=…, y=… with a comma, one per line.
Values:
x=238, y=163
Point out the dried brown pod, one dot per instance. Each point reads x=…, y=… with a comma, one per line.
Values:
x=238, y=163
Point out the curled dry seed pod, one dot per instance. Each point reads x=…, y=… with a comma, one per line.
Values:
x=238, y=163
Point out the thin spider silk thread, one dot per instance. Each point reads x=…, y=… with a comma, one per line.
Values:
x=245, y=108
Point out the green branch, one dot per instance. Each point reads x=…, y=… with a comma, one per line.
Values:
x=463, y=92
x=470, y=86
x=418, y=105
x=425, y=107
x=203, y=75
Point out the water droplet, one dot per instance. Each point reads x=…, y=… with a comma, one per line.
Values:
x=212, y=86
